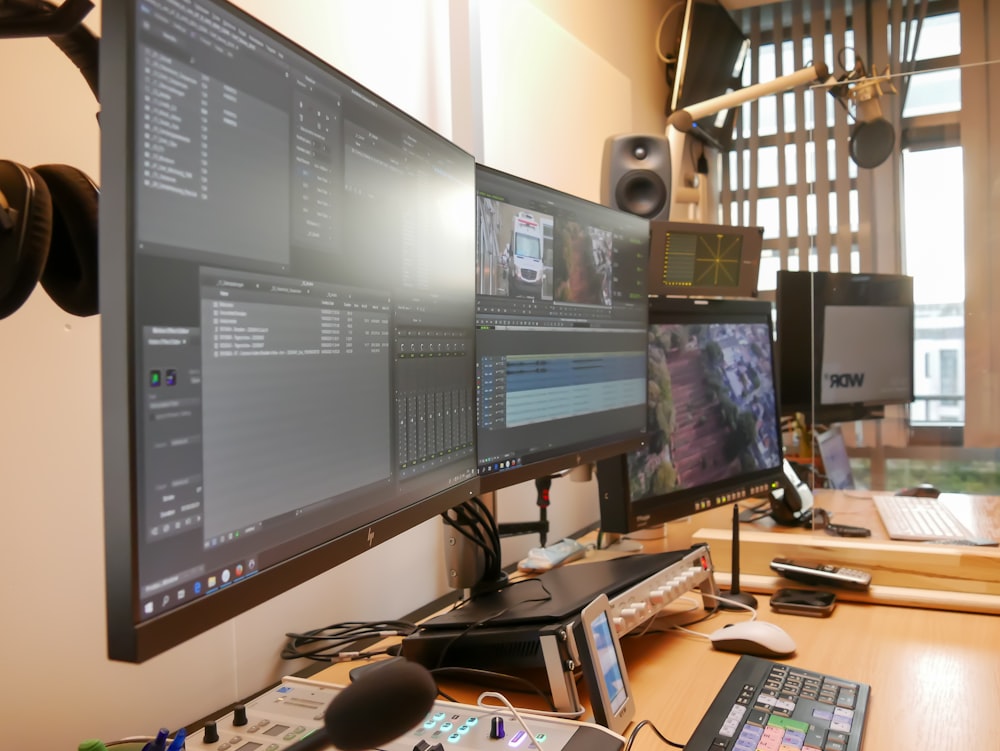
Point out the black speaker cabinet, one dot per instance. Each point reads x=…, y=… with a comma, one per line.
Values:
x=635, y=175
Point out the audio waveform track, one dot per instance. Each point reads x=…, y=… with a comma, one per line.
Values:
x=562, y=386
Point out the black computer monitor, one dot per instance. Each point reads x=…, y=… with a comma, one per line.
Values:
x=715, y=435
x=288, y=309
x=710, y=61
x=845, y=343
x=560, y=329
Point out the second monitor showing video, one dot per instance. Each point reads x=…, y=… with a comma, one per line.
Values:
x=561, y=311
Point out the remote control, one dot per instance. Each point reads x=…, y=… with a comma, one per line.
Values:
x=822, y=574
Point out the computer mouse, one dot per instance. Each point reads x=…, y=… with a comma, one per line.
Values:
x=923, y=490
x=754, y=638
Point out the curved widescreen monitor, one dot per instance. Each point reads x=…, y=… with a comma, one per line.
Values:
x=845, y=343
x=288, y=309
x=715, y=435
x=560, y=330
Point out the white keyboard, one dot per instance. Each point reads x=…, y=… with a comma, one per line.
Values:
x=912, y=518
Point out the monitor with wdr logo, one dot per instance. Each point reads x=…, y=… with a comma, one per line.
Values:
x=845, y=343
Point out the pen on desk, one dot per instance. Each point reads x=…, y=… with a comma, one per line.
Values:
x=160, y=744
x=177, y=744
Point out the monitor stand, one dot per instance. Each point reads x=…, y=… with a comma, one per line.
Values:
x=632, y=541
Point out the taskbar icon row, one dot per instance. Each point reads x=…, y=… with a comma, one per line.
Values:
x=200, y=586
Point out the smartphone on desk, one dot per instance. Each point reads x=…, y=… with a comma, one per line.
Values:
x=816, y=603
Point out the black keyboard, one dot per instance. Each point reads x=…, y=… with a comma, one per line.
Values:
x=767, y=706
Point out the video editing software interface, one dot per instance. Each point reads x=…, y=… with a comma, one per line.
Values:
x=302, y=303
x=713, y=413
x=560, y=326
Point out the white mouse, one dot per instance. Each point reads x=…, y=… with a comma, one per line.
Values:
x=754, y=638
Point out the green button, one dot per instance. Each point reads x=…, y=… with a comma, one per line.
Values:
x=787, y=723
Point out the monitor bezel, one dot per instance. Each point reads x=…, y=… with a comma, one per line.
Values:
x=619, y=513
x=800, y=328
x=128, y=638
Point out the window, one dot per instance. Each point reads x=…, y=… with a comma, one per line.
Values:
x=934, y=245
x=789, y=172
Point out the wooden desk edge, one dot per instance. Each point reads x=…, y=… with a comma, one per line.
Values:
x=962, y=576
x=878, y=594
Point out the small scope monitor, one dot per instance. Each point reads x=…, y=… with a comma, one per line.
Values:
x=560, y=329
x=288, y=318
x=715, y=435
x=845, y=343
x=690, y=259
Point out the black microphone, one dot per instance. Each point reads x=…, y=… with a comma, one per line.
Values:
x=378, y=707
x=872, y=136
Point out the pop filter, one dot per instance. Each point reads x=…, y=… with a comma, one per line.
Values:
x=382, y=705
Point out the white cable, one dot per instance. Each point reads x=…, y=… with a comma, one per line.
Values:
x=737, y=603
x=659, y=33
x=690, y=631
x=753, y=614
x=517, y=715
x=695, y=605
x=540, y=712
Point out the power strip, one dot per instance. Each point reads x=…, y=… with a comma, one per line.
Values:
x=294, y=709
x=657, y=596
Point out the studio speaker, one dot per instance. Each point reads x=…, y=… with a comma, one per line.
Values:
x=635, y=175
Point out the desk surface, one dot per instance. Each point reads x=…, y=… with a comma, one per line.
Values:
x=951, y=577
x=935, y=674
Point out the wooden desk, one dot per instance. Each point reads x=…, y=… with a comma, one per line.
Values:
x=952, y=577
x=935, y=674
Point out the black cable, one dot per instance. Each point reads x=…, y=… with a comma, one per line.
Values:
x=468, y=528
x=484, y=677
x=651, y=726
x=489, y=523
x=331, y=643
x=761, y=514
x=484, y=621
x=473, y=521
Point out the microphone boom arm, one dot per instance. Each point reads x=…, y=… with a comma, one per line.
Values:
x=684, y=121
x=685, y=118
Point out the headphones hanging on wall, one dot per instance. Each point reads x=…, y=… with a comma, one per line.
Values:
x=48, y=214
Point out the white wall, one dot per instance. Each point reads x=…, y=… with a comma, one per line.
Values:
x=424, y=57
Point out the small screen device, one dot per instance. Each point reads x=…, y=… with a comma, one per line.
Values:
x=803, y=602
x=836, y=462
x=823, y=574
x=604, y=667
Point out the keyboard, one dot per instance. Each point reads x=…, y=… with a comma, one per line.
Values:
x=913, y=518
x=767, y=706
